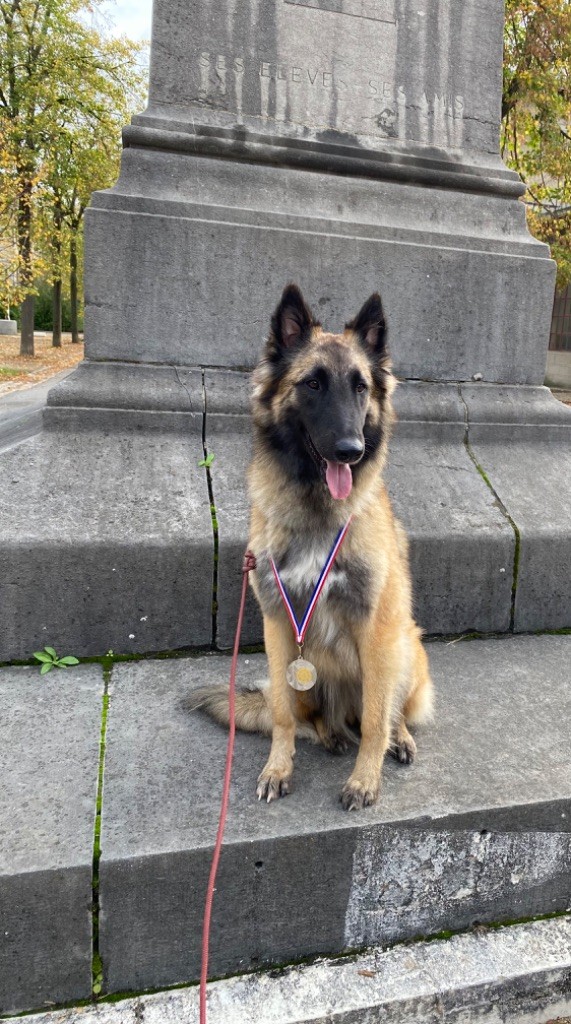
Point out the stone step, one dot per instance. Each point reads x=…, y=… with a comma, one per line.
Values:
x=477, y=830
x=105, y=544
x=50, y=731
x=490, y=532
x=115, y=495
x=519, y=974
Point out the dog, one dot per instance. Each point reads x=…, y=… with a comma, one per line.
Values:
x=322, y=416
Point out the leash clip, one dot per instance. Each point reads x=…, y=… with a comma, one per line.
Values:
x=249, y=563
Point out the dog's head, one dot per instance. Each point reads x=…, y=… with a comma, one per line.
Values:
x=321, y=401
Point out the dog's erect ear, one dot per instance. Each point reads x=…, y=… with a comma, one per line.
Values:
x=370, y=325
x=293, y=319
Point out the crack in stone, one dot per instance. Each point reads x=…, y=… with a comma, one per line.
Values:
x=213, y=516
x=500, y=505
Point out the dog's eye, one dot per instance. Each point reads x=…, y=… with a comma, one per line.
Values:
x=313, y=384
x=361, y=386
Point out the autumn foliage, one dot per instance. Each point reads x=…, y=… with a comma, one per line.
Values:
x=536, y=117
x=66, y=88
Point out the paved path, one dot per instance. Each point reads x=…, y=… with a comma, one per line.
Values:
x=21, y=411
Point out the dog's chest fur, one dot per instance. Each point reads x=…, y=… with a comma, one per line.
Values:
x=346, y=593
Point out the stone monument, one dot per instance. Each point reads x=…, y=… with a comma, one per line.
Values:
x=348, y=145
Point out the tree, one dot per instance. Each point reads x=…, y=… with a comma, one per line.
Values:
x=88, y=159
x=536, y=117
x=14, y=286
x=55, y=73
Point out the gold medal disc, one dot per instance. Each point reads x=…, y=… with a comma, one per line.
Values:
x=301, y=674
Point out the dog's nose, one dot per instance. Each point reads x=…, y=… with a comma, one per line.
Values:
x=349, y=449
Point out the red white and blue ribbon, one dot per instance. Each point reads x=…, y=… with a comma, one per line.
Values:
x=300, y=628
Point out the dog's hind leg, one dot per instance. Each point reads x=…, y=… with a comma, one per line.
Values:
x=418, y=706
x=335, y=742
x=334, y=706
x=275, y=779
x=403, y=747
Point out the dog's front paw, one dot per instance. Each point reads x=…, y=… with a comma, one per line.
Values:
x=273, y=783
x=355, y=795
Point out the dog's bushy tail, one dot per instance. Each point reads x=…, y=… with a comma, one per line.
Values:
x=252, y=711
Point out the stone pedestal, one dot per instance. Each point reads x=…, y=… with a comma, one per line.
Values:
x=350, y=145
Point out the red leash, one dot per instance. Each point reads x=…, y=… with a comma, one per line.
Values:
x=248, y=564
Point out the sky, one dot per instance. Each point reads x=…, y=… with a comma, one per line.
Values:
x=126, y=17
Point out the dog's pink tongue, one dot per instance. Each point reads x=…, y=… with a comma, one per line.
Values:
x=339, y=479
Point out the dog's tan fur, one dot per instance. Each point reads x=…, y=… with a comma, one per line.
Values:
x=372, y=669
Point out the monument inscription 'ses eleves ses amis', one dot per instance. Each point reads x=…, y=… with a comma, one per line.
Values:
x=376, y=70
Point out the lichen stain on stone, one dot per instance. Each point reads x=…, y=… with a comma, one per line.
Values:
x=405, y=882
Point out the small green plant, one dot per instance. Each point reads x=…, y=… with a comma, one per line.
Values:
x=97, y=975
x=49, y=660
x=207, y=461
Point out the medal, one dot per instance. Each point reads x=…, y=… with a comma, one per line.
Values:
x=301, y=674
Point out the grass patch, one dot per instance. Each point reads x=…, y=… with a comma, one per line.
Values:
x=8, y=372
x=96, y=963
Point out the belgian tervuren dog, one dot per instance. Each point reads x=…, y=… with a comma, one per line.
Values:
x=322, y=415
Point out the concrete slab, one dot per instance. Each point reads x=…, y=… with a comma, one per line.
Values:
x=462, y=546
x=514, y=414
x=520, y=974
x=476, y=830
x=558, y=369
x=462, y=541
x=21, y=411
x=534, y=484
x=232, y=456
x=49, y=754
x=104, y=543
x=127, y=396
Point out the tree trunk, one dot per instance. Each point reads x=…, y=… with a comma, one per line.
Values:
x=26, y=273
x=27, y=310
x=56, y=310
x=56, y=273
x=73, y=288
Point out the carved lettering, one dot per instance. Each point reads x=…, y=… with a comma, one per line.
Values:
x=297, y=75
x=379, y=88
x=363, y=103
